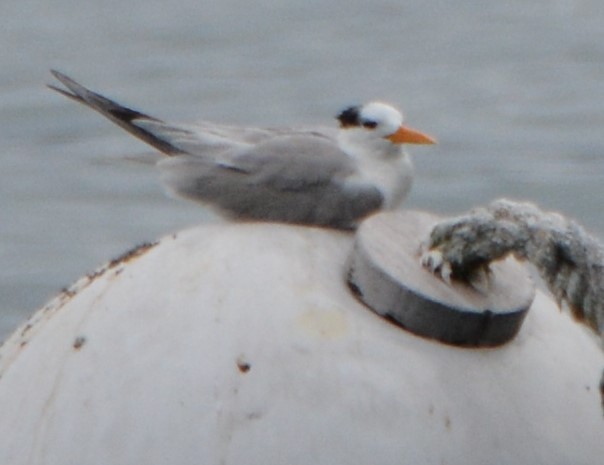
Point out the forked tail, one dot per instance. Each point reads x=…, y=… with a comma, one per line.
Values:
x=147, y=128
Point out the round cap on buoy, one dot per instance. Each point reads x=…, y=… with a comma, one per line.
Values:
x=386, y=274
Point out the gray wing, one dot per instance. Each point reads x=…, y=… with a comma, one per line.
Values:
x=293, y=179
x=203, y=139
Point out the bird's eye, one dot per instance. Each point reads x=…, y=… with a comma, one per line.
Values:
x=369, y=124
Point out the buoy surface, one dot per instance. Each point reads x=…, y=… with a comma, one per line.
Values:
x=242, y=344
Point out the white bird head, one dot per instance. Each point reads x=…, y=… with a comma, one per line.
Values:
x=379, y=121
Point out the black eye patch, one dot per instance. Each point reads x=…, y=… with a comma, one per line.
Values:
x=369, y=124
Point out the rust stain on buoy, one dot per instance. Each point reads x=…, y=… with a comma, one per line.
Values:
x=69, y=292
x=243, y=365
x=131, y=254
x=79, y=342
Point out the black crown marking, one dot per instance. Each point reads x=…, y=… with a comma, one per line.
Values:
x=349, y=117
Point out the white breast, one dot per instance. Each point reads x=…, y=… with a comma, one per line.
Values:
x=392, y=176
x=378, y=163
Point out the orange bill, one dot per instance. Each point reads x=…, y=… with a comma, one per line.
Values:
x=405, y=135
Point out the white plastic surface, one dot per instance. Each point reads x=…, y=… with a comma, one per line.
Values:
x=241, y=344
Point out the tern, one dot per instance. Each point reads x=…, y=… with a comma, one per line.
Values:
x=307, y=176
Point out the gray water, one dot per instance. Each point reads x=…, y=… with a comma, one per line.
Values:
x=513, y=90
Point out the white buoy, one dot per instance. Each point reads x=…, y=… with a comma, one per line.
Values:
x=242, y=344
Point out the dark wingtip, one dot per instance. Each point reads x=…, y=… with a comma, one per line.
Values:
x=65, y=93
x=61, y=77
x=71, y=85
x=123, y=116
x=79, y=93
x=64, y=79
x=57, y=89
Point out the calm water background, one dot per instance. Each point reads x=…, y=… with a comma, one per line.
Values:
x=514, y=91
